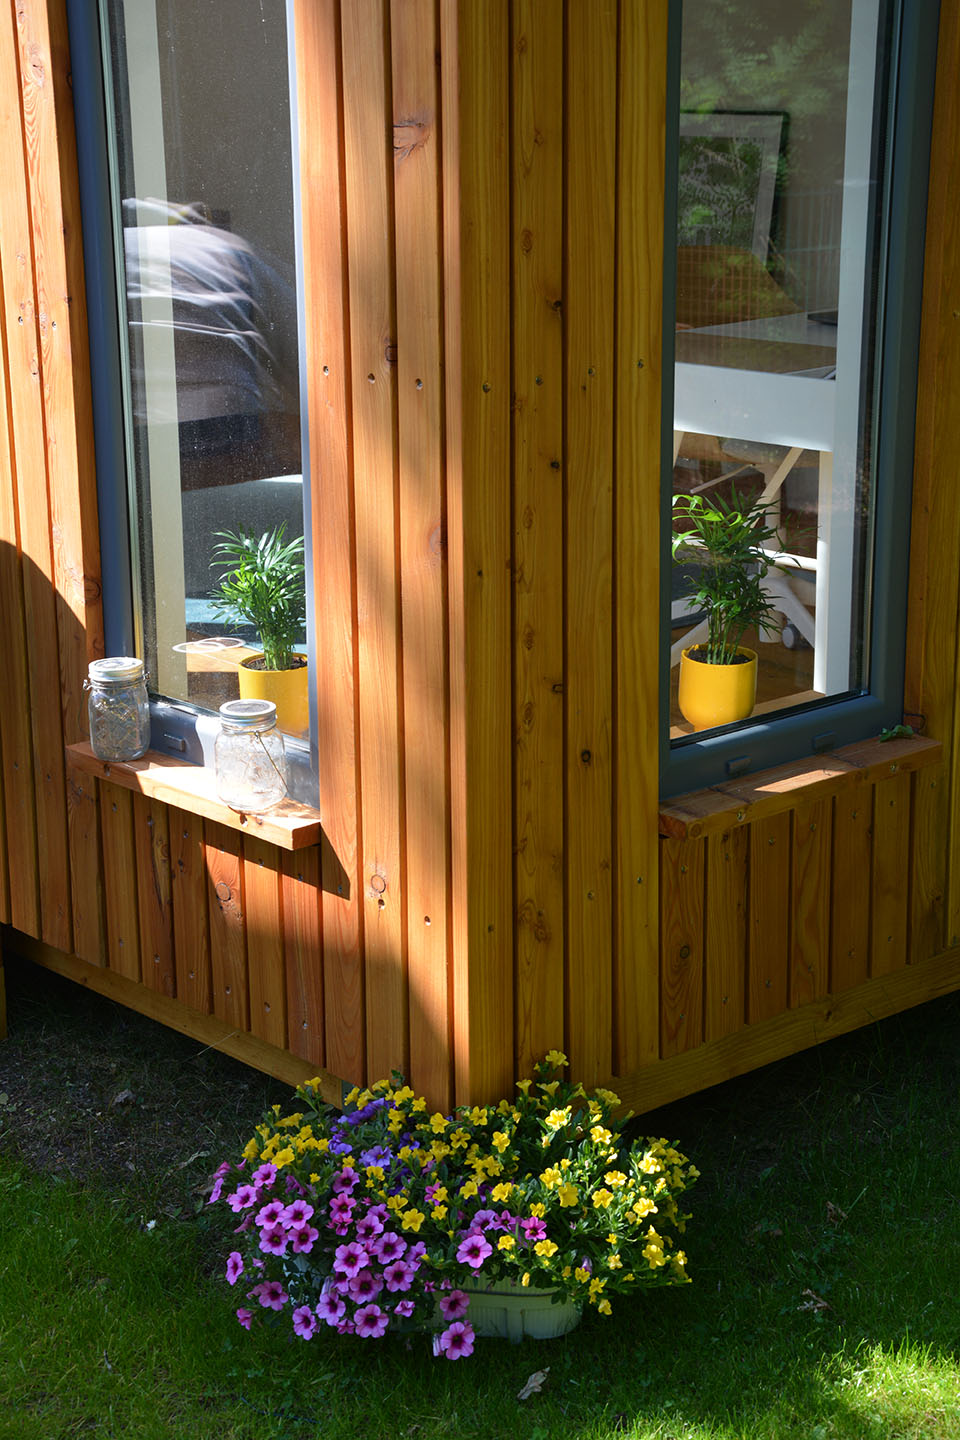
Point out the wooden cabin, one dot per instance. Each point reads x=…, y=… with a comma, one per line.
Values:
x=500, y=853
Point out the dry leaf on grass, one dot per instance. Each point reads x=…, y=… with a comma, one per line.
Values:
x=534, y=1385
x=813, y=1301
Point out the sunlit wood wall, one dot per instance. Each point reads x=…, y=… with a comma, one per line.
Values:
x=482, y=191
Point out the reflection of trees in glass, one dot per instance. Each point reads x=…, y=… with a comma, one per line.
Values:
x=718, y=185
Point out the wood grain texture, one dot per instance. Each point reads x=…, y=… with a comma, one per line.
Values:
x=154, y=894
x=475, y=50
x=639, y=321
x=368, y=157
x=266, y=962
x=890, y=893
x=416, y=179
x=20, y=124
x=811, y=860
x=326, y=343
x=538, y=658
x=850, y=920
x=768, y=923
x=191, y=928
x=725, y=933
x=590, y=181
x=230, y=988
x=120, y=881
x=681, y=945
x=929, y=852
x=303, y=953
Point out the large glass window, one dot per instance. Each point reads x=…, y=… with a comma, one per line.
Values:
x=791, y=323
x=202, y=192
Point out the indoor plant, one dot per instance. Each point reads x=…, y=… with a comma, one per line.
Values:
x=386, y=1217
x=263, y=586
x=732, y=548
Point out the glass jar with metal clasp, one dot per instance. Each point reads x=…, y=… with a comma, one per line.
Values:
x=118, y=708
x=249, y=758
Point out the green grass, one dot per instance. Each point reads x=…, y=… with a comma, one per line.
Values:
x=830, y=1180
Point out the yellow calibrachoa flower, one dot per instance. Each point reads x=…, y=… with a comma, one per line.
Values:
x=501, y=1139
x=643, y=1207
x=412, y=1219
x=549, y=1088
x=251, y=1150
x=604, y=1306
x=582, y=1275
x=564, y=1163
x=289, y=1121
x=419, y=1105
x=438, y=1212
x=569, y=1195
x=438, y=1123
x=524, y=1085
x=440, y=1194
x=478, y=1116
x=284, y=1157
x=459, y=1139
x=601, y=1199
x=502, y=1191
x=401, y=1096
x=556, y=1058
x=537, y=1210
x=596, y=1285
x=654, y=1254
x=468, y=1190
x=608, y=1097
x=546, y=1248
x=616, y=1178
x=506, y=1242
x=525, y=1278
x=438, y=1150
x=600, y=1136
x=550, y=1177
x=396, y=1202
x=650, y=1165
x=614, y=1262
x=558, y=1118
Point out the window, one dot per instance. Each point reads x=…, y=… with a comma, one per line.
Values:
x=800, y=166
x=186, y=138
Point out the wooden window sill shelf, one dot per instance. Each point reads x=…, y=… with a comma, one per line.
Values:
x=770, y=792
x=190, y=787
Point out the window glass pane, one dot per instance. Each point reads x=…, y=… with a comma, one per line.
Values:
x=781, y=165
x=203, y=190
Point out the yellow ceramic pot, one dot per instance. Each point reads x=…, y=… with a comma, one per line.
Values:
x=286, y=688
x=713, y=695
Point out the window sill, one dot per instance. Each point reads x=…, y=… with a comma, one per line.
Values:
x=191, y=788
x=770, y=792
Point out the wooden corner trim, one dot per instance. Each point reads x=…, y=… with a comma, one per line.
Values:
x=770, y=792
x=191, y=787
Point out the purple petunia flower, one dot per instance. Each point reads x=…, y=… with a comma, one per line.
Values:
x=264, y=1175
x=242, y=1197
x=388, y=1247
x=404, y=1308
x=455, y=1305
x=380, y=1213
x=244, y=1316
x=533, y=1229
x=368, y=1227
x=370, y=1322
x=216, y=1191
x=302, y=1241
x=365, y=1286
x=234, y=1267
x=345, y=1181
x=486, y=1220
x=456, y=1342
x=473, y=1250
x=271, y=1295
x=349, y=1259
x=273, y=1240
x=399, y=1276
x=296, y=1215
x=416, y=1253
x=304, y=1322
x=269, y=1214
x=341, y=1209
x=331, y=1307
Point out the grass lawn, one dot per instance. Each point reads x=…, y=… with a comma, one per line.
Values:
x=824, y=1250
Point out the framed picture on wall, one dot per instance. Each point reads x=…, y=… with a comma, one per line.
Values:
x=729, y=164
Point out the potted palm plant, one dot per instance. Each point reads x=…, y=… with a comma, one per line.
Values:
x=732, y=548
x=263, y=585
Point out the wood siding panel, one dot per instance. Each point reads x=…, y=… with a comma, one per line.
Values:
x=475, y=56
x=681, y=945
x=373, y=350
x=890, y=893
x=810, y=929
x=850, y=920
x=768, y=925
x=191, y=929
x=928, y=882
x=417, y=163
x=590, y=180
x=228, y=940
x=154, y=894
x=537, y=268
x=303, y=951
x=120, y=881
x=642, y=98
x=319, y=95
x=266, y=963
x=725, y=937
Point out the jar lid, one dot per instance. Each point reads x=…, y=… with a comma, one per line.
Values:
x=116, y=667
x=249, y=714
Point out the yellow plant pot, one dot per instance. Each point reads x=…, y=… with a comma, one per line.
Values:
x=712, y=695
x=286, y=688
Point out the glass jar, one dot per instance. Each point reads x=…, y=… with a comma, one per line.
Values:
x=118, y=708
x=248, y=756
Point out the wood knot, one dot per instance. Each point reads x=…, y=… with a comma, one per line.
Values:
x=409, y=135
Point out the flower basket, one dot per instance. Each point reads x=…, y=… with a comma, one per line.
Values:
x=505, y=1219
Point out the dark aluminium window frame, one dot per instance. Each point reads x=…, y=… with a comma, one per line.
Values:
x=823, y=725
x=177, y=728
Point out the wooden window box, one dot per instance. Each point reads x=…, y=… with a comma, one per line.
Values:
x=191, y=788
